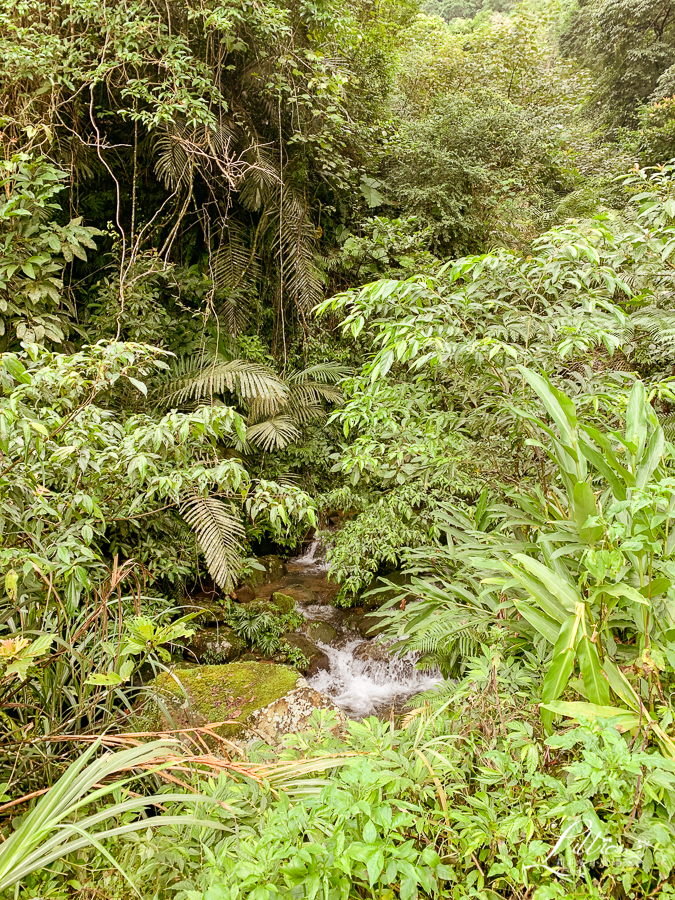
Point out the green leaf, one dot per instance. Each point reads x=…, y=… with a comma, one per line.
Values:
x=562, y=664
x=651, y=459
x=546, y=626
x=369, y=832
x=584, y=508
x=553, y=582
x=560, y=407
x=621, y=719
x=597, y=686
x=370, y=192
x=112, y=679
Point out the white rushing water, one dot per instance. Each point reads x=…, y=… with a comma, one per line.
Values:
x=362, y=686
x=311, y=560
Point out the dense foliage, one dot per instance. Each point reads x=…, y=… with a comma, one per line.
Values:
x=398, y=274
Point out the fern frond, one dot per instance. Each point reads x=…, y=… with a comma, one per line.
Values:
x=659, y=324
x=668, y=425
x=273, y=434
x=220, y=534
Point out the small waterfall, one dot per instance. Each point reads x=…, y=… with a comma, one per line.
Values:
x=309, y=560
x=362, y=684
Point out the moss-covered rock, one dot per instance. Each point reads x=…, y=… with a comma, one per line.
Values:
x=300, y=594
x=208, y=610
x=317, y=659
x=283, y=602
x=214, y=645
x=272, y=569
x=319, y=631
x=189, y=697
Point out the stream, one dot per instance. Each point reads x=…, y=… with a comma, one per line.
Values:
x=362, y=677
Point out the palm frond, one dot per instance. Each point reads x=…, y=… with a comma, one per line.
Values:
x=273, y=434
x=668, y=425
x=325, y=373
x=220, y=534
x=295, y=250
x=657, y=324
x=196, y=379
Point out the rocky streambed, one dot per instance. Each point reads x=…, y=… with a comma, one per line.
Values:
x=348, y=671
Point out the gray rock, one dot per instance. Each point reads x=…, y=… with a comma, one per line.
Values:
x=292, y=713
x=244, y=594
x=372, y=651
x=363, y=623
x=300, y=594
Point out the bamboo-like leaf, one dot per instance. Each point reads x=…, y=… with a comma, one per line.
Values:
x=54, y=829
x=562, y=664
x=595, y=683
x=561, y=590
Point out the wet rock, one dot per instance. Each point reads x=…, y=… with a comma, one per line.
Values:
x=283, y=602
x=317, y=658
x=214, y=646
x=300, y=594
x=208, y=612
x=263, y=607
x=244, y=594
x=372, y=652
x=189, y=697
x=319, y=631
x=292, y=713
x=273, y=569
x=368, y=626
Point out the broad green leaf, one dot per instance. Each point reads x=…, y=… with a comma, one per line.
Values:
x=560, y=408
x=562, y=664
x=651, y=459
x=584, y=507
x=597, y=686
x=562, y=591
x=636, y=417
x=621, y=719
x=547, y=627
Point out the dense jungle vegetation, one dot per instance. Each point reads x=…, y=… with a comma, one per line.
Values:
x=398, y=275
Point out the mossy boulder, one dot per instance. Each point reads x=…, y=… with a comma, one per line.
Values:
x=214, y=645
x=317, y=659
x=300, y=594
x=189, y=697
x=272, y=570
x=283, y=602
x=209, y=611
x=319, y=631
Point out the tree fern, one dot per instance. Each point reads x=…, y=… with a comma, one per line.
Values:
x=220, y=534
